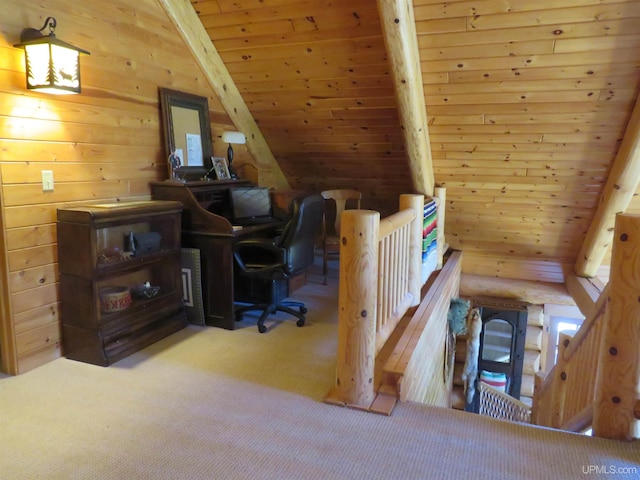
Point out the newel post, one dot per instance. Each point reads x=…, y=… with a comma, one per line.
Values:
x=357, y=313
x=416, y=203
x=617, y=407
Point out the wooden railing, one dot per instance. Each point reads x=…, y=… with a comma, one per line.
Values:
x=597, y=379
x=380, y=263
x=399, y=264
x=564, y=399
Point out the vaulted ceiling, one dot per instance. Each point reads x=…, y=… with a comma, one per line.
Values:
x=527, y=105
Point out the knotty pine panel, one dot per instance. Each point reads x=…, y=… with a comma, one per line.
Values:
x=56, y=131
x=360, y=102
x=515, y=63
x=490, y=85
x=17, y=173
x=514, y=267
x=22, y=216
x=32, y=236
x=31, y=319
x=579, y=73
x=531, y=47
x=595, y=43
x=566, y=159
x=339, y=132
x=304, y=68
x=33, y=277
x=524, y=248
x=234, y=40
x=453, y=32
x=319, y=87
x=587, y=96
x=537, y=15
x=317, y=17
x=300, y=54
x=523, y=108
x=579, y=182
x=32, y=257
x=452, y=170
x=242, y=14
x=33, y=298
x=41, y=338
x=49, y=352
x=31, y=194
x=550, y=149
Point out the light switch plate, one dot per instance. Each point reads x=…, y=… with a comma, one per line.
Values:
x=47, y=180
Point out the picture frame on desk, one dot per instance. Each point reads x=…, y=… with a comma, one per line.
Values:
x=220, y=167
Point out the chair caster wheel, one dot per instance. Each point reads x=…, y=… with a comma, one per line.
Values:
x=303, y=310
x=262, y=328
x=300, y=322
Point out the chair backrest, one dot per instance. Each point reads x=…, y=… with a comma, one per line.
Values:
x=341, y=197
x=299, y=236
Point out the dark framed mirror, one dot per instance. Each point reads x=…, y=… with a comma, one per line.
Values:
x=187, y=133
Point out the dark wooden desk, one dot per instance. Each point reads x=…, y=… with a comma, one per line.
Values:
x=205, y=226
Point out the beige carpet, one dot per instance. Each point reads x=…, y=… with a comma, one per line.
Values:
x=207, y=403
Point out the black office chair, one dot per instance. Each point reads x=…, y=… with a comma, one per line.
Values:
x=286, y=256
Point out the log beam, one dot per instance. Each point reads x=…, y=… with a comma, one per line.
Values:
x=190, y=27
x=585, y=294
x=621, y=185
x=401, y=40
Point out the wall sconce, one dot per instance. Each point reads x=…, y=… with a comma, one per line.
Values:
x=231, y=138
x=53, y=66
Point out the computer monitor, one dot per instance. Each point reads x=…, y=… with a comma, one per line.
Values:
x=249, y=203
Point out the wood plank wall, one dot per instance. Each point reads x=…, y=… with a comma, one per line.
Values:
x=316, y=78
x=104, y=144
x=526, y=101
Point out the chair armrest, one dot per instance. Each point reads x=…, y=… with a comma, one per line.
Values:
x=258, y=255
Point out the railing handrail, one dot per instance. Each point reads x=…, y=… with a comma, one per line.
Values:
x=393, y=222
x=587, y=325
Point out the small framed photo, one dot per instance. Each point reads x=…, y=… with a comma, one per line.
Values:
x=221, y=168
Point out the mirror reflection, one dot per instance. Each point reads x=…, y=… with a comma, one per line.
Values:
x=187, y=136
x=498, y=338
x=187, y=133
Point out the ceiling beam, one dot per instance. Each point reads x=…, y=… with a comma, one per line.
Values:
x=620, y=188
x=190, y=27
x=401, y=40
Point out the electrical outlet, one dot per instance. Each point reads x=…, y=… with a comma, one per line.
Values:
x=47, y=180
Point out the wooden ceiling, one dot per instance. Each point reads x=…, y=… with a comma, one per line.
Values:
x=527, y=104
